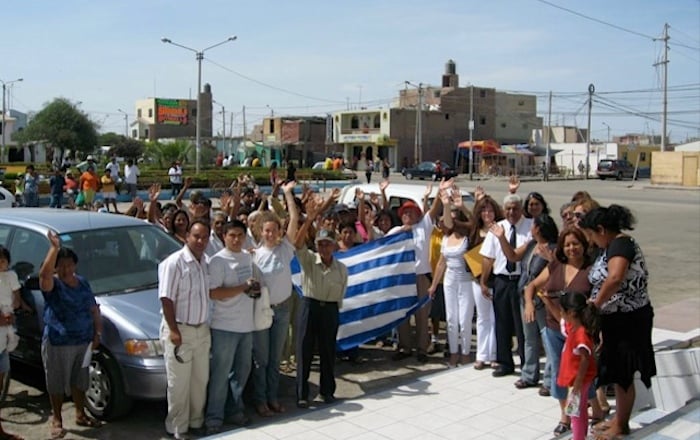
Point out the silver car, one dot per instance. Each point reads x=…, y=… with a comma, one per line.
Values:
x=119, y=256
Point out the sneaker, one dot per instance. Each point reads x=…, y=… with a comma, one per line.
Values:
x=303, y=404
x=329, y=399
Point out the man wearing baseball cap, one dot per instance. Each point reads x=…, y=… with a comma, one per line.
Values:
x=413, y=219
x=324, y=280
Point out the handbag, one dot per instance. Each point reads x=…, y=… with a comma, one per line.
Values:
x=474, y=260
x=80, y=199
x=262, y=312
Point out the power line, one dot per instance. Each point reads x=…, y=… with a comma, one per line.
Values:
x=605, y=23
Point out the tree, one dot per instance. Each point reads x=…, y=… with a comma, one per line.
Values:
x=121, y=145
x=164, y=154
x=62, y=126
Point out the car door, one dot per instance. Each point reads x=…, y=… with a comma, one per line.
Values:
x=27, y=251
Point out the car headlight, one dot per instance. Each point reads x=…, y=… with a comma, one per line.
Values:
x=144, y=347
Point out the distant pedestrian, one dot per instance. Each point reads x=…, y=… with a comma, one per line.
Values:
x=131, y=175
x=581, y=167
x=31, y=187
x=386, y=168
x=109, y=193
x=56, y=184
x=113, y=167
x=175, y=175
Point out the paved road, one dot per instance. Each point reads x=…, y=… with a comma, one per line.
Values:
x=668, y=230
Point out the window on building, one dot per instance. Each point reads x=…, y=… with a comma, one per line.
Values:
x=482, y=93
x=193, y=112
x=503, y=125
x=145, y=132
x=436, y=94
x=138, y=113
x=447, y=116
x=134, y=133
x=377, y=121
x=642, y=156
x=272, y=125
x=482, y=120
x=150, y=112
x=355, y=122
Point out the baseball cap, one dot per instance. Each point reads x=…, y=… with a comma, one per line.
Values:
x=90, y=157
x=409, y=204
x=325, y=234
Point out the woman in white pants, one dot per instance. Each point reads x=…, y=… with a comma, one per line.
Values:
x=486, y=213
x=457, y=284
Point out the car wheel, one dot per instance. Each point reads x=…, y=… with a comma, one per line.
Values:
x=105, y=397
x=409, y=176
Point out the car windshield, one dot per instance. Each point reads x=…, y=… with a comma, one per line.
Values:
x=605, y=163
x=120, y=260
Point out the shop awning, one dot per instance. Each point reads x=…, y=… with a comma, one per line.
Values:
x=484, y=147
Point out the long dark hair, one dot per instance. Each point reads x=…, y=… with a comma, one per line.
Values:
x=537, y=196
x=584, y=311
x=478, y=224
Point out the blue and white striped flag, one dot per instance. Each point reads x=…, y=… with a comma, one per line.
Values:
x=381, y=289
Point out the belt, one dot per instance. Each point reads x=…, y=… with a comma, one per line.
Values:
x=279, y=304
x=190, y=325
x=322, y=303
x=508, y=277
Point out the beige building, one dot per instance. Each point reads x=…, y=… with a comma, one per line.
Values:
x=302, y=139
x=158, y=118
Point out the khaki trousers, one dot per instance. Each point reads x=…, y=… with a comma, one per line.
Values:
x=421, y=318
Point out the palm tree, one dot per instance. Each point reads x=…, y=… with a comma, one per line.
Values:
x=166, y=153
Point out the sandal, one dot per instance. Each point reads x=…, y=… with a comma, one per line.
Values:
x=57, y=430
x=87, y=422
x=562, y=428
x=263, y=410
x=276, y=407
x=479, y=365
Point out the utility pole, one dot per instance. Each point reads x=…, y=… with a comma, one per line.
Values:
x=665, y=39
x=591, y=90
x=230, y=145
x=471, y=132
x=126, y=122
x=549, y=139
x=420, y=124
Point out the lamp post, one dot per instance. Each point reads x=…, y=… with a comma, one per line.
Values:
x=4, y=113
x=199, y=55
x=608, y=131
x=418, y=143
x=126, y=122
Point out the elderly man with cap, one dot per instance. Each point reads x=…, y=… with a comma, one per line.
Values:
x=413, y=219
x=324, y=280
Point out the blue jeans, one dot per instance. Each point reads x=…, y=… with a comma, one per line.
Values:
x=554, y=343
x=267, y=352
x=229, y=368
x=534, y=334
x=31, y=199
x=56, y=200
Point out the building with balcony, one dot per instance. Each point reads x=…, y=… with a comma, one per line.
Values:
x=159, y=118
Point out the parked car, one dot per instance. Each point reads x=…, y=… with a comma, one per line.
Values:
x=397, y=193
x=318, y=166
x=430, y=170
x=7, y=199
x=119, y=256
x=617, y=168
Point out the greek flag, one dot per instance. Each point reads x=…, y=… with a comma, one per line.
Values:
x=381, y=289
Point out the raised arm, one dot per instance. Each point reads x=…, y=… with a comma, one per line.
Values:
x=293, y=222
x=510, y=253
x=153, y=193
x=382, y=188
x=181, y=194
x=48, y=267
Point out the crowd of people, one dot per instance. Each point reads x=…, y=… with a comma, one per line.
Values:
x=576, y=290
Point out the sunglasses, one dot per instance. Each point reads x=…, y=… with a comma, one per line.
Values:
x=177, y=355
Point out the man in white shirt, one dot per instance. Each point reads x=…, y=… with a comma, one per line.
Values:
x=131, y=174
x=183, y=289
x=175, y=174
x=506, y=297
x=232, y=289
x=422, y=226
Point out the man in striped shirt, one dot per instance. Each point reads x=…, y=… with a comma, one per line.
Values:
x=183, y=289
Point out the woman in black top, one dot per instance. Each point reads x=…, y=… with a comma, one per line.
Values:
x=619, y=279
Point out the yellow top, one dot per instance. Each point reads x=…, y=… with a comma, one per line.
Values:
x=434, y=248
x=107, y=184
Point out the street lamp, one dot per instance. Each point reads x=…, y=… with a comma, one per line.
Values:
x=126, y=121
x=418, y=142
x=608, y=130
x=199, y=55
x=4, y=112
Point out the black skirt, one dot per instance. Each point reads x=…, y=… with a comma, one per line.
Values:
x=627, y=347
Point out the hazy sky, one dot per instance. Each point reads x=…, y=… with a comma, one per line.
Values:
x=312, y=57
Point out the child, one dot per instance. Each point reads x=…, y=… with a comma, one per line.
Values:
x=578, y=368
x=9, y=301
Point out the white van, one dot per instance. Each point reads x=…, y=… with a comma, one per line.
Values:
x=397, y=193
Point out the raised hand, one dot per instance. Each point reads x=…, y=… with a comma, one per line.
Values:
x=188, y=182
x=428, y=190
x=513, y=184
x=225, y=200
x=445, y=184
x=479, y=193
x=383, y=185
x=289, y=186
x=154, y=192
x=335, y=194
x=497, y=230
x=53, y=238
x=457, y=198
